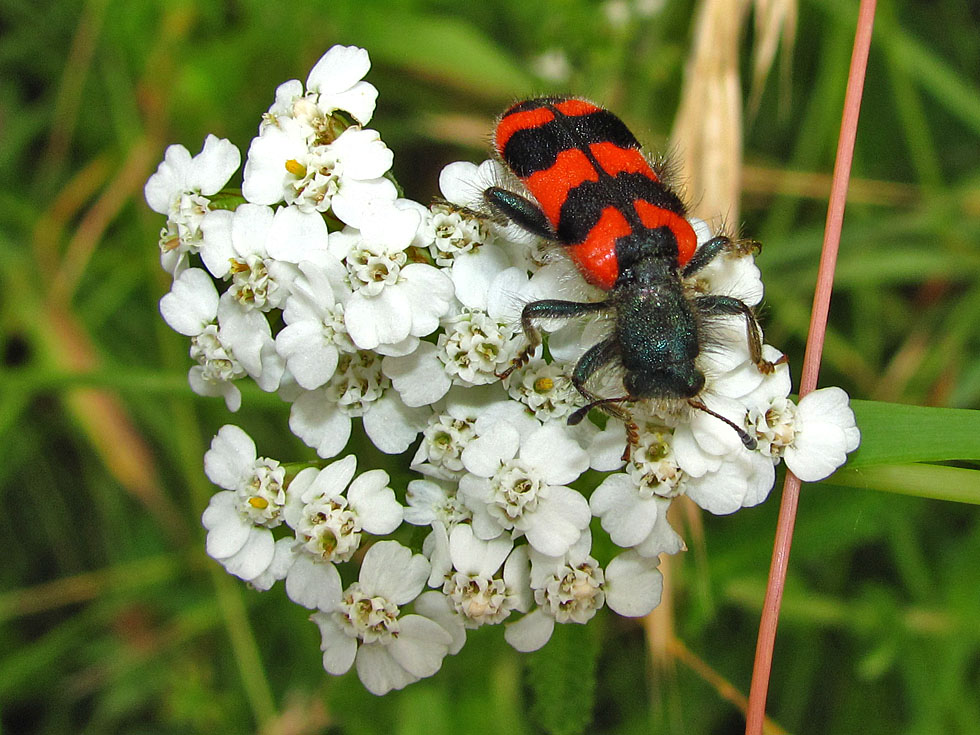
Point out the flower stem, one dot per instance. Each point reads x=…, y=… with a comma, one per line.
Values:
x=811, y=365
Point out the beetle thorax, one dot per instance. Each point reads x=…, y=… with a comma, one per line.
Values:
x=658, y=335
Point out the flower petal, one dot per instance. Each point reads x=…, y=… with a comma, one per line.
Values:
x=378, y=671
x=421, y=645
x=338, y=648
x=633, y=585
x=553, y=453
x=391, y=425
x=192, y=303
x=319, y=423
x=314, y=585
x=558, y=521
x=625, y=516
x=254, y=557
x=340, y=68
x=229, y=462
x=483, y=455
x=394, y=572
x=420, y=378
x=375, y=503
x=530, y=632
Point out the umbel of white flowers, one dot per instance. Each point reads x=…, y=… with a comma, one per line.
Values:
x=510, y=539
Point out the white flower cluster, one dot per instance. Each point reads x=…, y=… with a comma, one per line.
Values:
x=318, y=282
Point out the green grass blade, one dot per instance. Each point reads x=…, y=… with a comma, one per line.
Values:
x=893, y=433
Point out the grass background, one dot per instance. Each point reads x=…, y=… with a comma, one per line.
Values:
x=112, y=618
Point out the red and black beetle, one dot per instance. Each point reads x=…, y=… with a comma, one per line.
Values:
x=626, y=230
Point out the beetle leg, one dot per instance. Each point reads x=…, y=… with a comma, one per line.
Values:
x=714, y=247
x=547, y=309
x=715, y=305
x=521, y=211
x=597, y=356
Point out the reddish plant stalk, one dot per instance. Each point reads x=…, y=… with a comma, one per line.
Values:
x=762, y=667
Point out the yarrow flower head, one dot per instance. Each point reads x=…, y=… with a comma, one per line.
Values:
x=484, y=580
x=367, y=627
x=308, y=155
x=813, y=437
x=519, y=485
x=181, y=189
x=227, y=341
x=546, y=390
x=241, y=518
x=460, y=341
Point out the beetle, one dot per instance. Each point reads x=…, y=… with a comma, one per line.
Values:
x=596, y=194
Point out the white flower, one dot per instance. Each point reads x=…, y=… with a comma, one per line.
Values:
x=190, y=308
x=481, y=340
x=520, y=486
x=814, y=437
x=461, y=239
x=242, y=548
x=573, y=587
x=568, y=588
x=475, y=347
x=443, y=440
x=462, y=183
x=181, y=188
x=629, y=503
x=315, y=334
x=431, y=502
x=322, y=417
x=226, y=341
x=633, y=505
x=239, y=520
x=394, y=301
x=553, y=66
x=455, y=232
x=334, y=83
x=654, y=467
x=258, y=249
x=449, y=431
x=317, y=170
x=546, y=390
x=404, y=319
x=367, y=628
x=231, y=463
x=308, y=155
x=475, y=592
x=328, y=518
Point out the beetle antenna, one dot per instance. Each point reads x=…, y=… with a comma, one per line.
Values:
x=747, y=440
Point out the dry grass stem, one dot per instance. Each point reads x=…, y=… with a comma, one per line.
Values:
x=708, y=131
x=775, y=26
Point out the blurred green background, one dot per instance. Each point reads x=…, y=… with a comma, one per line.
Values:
x=112, y=618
